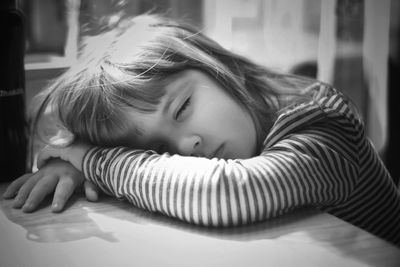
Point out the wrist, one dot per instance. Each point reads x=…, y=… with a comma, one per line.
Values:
x=77, y=153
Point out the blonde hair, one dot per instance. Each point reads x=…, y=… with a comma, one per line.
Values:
x=126, y=67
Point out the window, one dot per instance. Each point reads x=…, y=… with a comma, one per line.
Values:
x=54, y=28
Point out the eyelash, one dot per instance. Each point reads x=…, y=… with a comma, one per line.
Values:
x=183, y=108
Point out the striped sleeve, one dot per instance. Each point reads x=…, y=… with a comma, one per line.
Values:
x=307, y=160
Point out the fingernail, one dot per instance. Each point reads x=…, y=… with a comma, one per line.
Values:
x=7, y=194
x=55, y=206
x=17, y=203
x=27, y=207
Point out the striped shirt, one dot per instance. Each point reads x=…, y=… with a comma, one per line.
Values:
x=316, y=154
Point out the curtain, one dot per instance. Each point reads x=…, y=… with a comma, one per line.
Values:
x=342, y=42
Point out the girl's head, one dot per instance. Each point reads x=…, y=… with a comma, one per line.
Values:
x=124, y=78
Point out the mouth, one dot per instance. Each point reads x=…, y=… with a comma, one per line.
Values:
x=218, y=153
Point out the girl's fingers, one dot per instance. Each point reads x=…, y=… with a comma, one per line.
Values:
x=91, y=191
x=25, y=190
x=13, y=188
x=41, y=189
x=65, y=187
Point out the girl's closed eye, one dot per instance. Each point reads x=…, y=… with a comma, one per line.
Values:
x=182, y=109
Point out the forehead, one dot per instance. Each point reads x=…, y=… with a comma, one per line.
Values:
x=183, y=76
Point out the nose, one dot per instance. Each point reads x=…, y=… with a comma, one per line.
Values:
x=190, y=146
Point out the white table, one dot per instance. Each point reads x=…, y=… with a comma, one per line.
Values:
x=113, y=233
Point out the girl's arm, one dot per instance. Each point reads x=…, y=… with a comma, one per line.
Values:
x=311, y=160
x=221, y=193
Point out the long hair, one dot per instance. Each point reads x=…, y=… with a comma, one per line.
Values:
x=126, y=67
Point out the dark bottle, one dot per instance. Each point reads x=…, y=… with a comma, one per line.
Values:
x=13, y=127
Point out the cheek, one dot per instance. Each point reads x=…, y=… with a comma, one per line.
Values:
x=214, y=114
x=240, y=128
x=225, y=117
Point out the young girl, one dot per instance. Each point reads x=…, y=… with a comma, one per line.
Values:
x=167, y=119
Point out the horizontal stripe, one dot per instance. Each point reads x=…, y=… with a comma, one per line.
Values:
x=316, y=154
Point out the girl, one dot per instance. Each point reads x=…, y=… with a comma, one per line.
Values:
x=165, y=118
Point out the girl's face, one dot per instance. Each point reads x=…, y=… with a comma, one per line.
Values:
x=196, y=117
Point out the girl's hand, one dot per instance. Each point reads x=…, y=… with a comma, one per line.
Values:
x=56, y=176
x=73, y=154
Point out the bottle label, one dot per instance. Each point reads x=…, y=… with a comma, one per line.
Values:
x=14, y=92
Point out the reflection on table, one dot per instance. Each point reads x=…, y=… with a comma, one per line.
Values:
x=114, y=233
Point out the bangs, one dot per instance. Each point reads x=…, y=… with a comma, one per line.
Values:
x=94, y=109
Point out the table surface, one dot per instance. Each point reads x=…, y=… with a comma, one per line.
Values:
x=114, y=233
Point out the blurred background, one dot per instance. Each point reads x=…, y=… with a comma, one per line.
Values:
x=352, y=44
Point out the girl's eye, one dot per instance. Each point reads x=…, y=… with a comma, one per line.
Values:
x=182, y=108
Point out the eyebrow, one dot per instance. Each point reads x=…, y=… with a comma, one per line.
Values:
x=174, y=94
